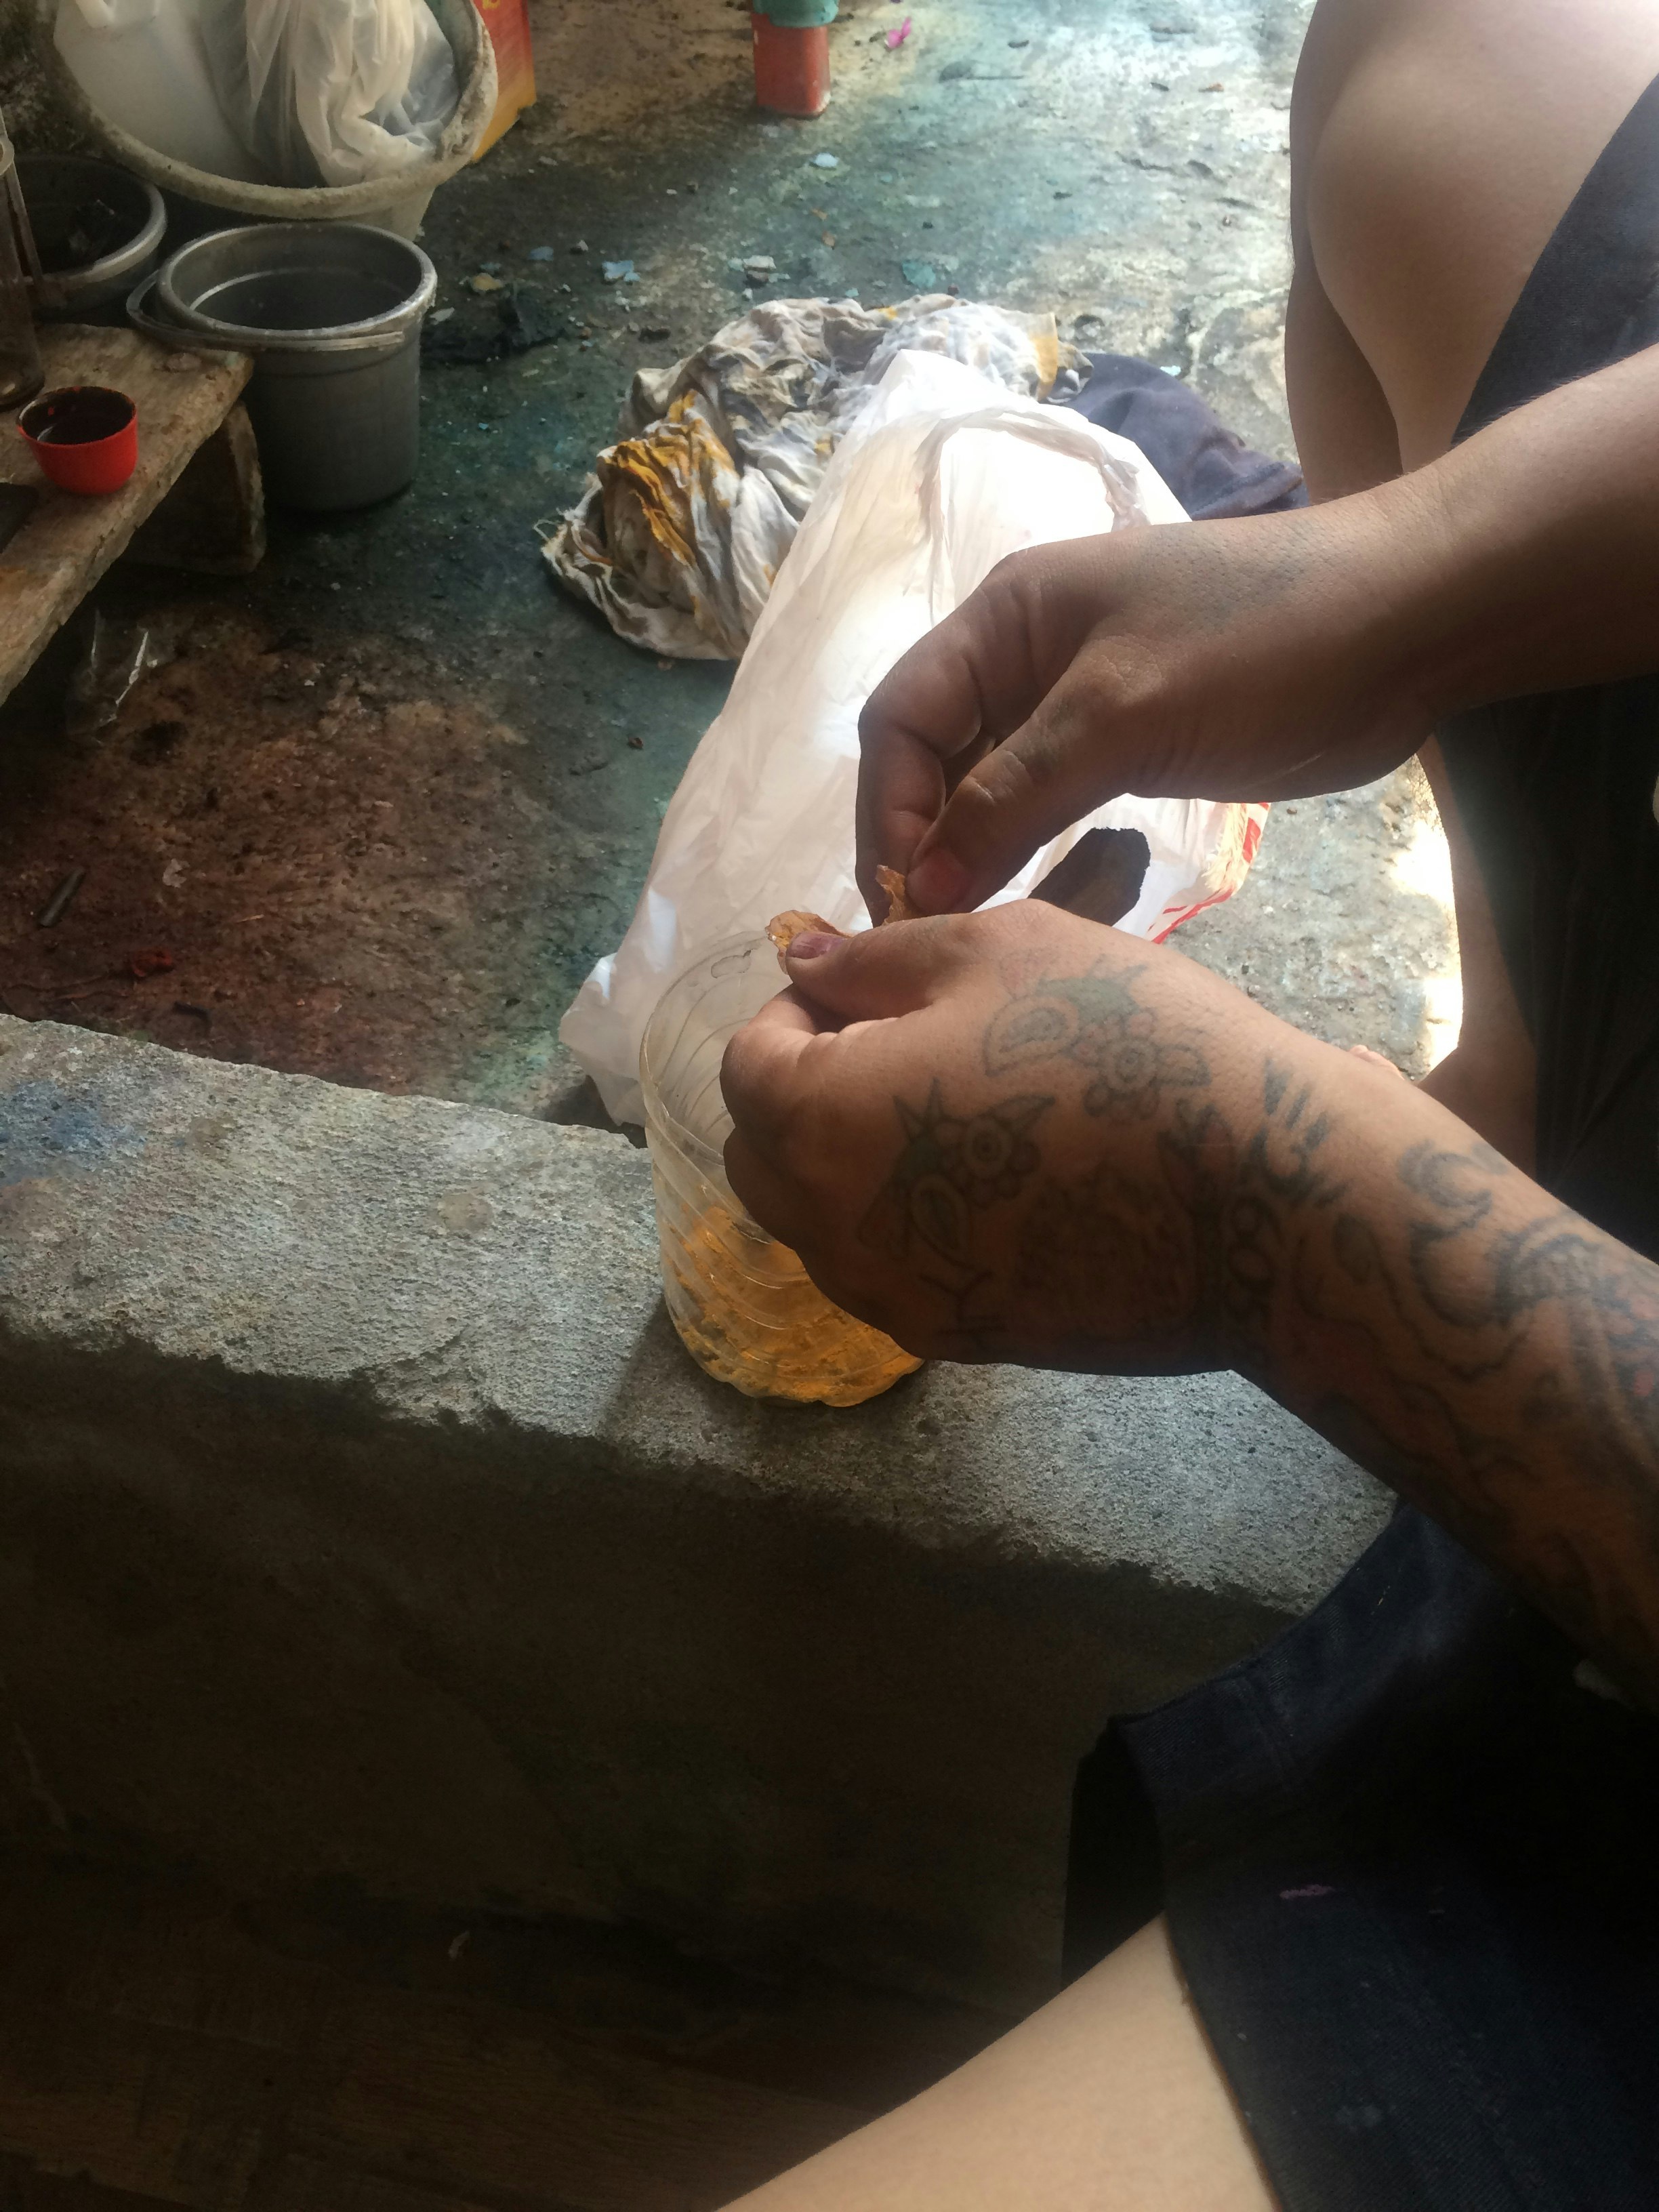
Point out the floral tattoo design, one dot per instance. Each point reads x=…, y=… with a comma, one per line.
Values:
x=1096, y=1020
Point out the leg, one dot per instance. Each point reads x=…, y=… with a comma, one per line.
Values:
x=1109, y=2100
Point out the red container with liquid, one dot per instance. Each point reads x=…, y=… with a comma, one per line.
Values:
x=85, y=436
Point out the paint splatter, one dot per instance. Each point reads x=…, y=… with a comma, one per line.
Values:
x=46, y=1132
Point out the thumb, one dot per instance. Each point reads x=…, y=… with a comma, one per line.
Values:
x=1058, y=766
x=880, y=973
x=762, y=1069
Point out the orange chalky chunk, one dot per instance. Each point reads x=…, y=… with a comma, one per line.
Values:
x=784, y=928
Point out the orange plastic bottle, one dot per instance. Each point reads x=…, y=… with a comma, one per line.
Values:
x=791, y=55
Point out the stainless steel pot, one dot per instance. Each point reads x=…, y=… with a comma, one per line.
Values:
x=332, y=313
x=98, y=229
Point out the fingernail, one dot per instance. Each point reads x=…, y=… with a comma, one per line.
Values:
x=813, y=943
x=937, y=882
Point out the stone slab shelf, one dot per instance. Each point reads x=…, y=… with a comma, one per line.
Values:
x=185, y=401
x=362, y=1520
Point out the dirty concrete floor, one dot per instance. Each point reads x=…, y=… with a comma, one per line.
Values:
x=436, y=782
x=164, y=2045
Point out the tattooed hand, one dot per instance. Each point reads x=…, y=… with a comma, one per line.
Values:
x=1017, y=1135
x=1014, y=1159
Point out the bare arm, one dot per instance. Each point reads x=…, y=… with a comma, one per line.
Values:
x=1260, y=659
x=1544, y=572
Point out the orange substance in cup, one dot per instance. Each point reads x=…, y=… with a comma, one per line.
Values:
x=784, y=1340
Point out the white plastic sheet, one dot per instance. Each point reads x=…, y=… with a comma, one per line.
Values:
x=142, y=66
x=941, y=476
x=332, y=91
x=278, y=92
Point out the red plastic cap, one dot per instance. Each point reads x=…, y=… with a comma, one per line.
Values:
x=85, y=436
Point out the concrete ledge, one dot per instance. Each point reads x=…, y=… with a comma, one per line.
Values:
x=361, y=1518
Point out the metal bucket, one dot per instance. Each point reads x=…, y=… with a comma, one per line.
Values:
x=332, y=313
x=98, y=229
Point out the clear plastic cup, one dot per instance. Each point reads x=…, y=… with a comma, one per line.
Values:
x=745, y=1308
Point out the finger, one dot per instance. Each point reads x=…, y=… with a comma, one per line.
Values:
x=761, y=1077
x=974, y=678
x=1048, y=775
x=1068, y=759
x=901, y=794
x=773, y=1200
x=765, y=1196
x=883, y=973
x=1376, y=1059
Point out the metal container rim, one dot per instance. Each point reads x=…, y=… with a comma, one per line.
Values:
x=696, y=1149
x=385, y=329
x=137, y=249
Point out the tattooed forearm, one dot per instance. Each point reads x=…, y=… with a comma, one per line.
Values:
x=1495, y=1358
x=1156, y=1189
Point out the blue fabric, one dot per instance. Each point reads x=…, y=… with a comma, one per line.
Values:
x=1208, y=467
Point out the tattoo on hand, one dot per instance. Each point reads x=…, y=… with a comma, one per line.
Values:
x=1097, y=1021
x=1105, y=1261
x=1244, y=1200
x=950, y=1167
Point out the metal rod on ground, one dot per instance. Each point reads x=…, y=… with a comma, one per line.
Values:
x=58, y=905
x=19, y=214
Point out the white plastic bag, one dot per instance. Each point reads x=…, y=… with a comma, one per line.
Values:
x=141, y=63
x=942, y=476
x=332, y=91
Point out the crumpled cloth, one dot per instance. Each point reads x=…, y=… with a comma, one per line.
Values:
x=681, y=528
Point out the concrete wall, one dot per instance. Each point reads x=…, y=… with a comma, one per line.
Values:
x=361, y=1518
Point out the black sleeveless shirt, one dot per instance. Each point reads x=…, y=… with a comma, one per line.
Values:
x=1408, y=1852
x=1558, y=792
